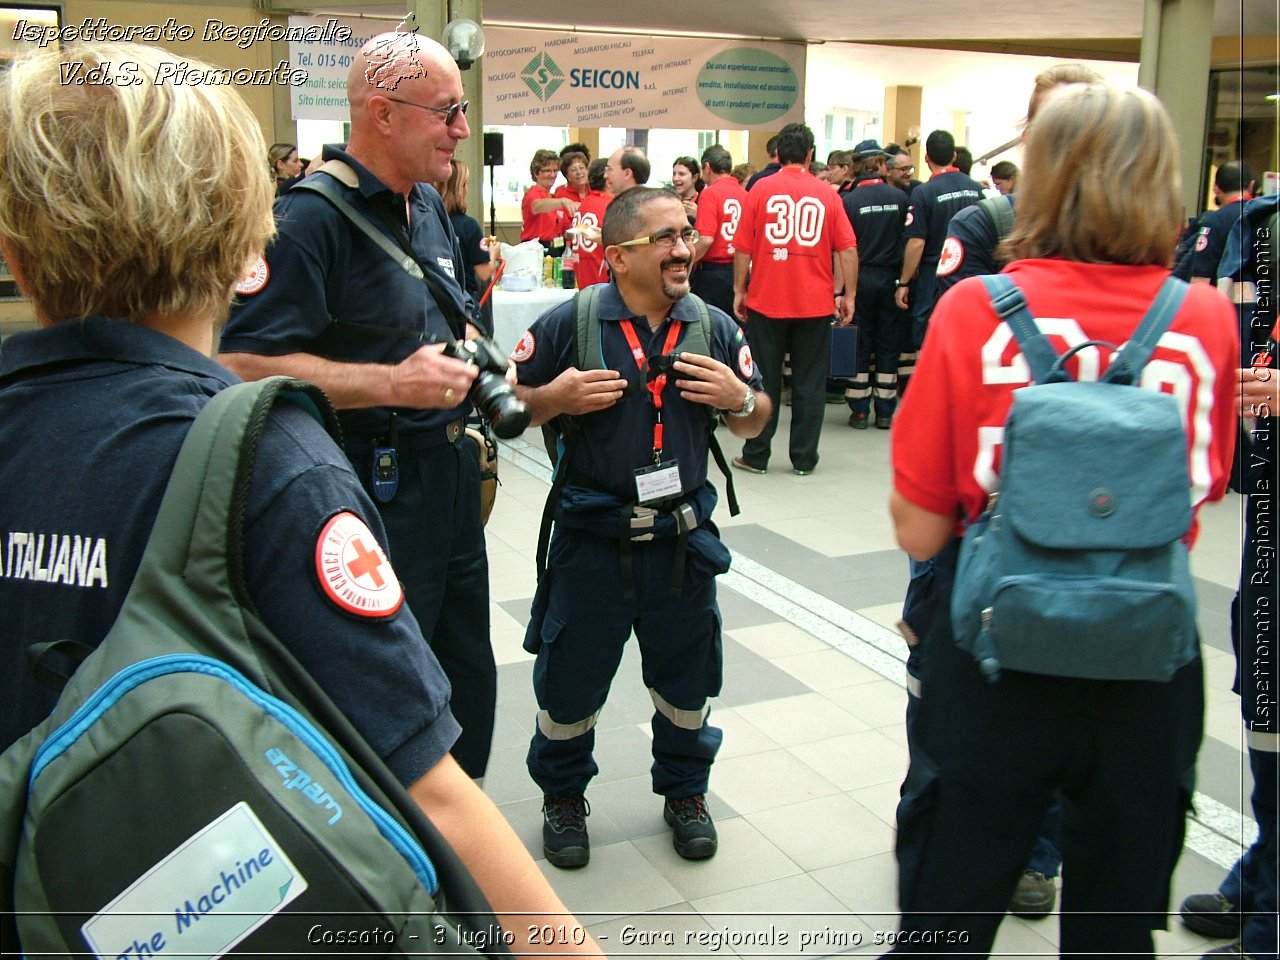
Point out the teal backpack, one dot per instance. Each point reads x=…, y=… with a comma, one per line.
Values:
x=1077, y=568
x=194, y=792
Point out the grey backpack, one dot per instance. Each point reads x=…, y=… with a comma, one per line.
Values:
x=194, y=792
x=1077, y=567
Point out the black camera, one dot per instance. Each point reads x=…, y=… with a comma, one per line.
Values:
x=491, y=394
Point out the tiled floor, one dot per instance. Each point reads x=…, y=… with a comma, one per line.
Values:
x=805, y=786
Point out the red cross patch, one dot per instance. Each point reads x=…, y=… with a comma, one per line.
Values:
x=951, y=258
x=254, y=280
x=524, y=349
x=745, y=363
x=353, y=571
x=1202, y=241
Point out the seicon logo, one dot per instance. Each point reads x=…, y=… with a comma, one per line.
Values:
x=543, y=76
x=295, y=778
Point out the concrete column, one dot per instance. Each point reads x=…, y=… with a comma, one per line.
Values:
x=433, y=15
x=588, y=137
x=901, y=113
x=1177, y=39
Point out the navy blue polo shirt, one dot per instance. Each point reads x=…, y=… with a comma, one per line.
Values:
x=614, y=443
x=933, y=204
x=325, y=280
x=92, y=415
x=1211, y=241
x=878, y=211
x=973, y=239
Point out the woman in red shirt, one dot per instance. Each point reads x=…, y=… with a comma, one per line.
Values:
x=545, y=217
x=1089, y=258
x=573, y=167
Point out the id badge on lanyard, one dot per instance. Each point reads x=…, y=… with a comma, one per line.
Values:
x=661, y=479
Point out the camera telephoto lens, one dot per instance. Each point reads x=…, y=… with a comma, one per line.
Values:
x=491, y=394
x=506, y=413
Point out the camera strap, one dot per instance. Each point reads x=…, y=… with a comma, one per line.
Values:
x=404, y=255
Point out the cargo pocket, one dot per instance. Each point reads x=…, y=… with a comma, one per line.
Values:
x=708, y=556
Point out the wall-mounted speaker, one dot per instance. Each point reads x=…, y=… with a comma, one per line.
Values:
x=493, y=149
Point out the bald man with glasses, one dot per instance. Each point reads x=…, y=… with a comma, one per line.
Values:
x=339, y=299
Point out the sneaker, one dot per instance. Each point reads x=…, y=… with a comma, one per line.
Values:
x=801, y=473
x=750, y=468
x=884, y=423
x=1229, y=950
x=858, y=421
x=1211, y=915
x=564, y=830
x=694, y=835
x=1034, y=896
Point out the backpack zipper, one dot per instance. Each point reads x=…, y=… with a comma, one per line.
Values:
x=139, y=673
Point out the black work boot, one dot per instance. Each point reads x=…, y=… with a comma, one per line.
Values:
x=564, y=830
x=693, y=833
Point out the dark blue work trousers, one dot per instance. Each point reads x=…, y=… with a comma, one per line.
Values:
x=580, y=624
x=1120, y=755
x=808, y=341
x=437, y=547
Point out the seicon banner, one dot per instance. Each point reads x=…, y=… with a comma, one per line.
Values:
x=583, y=79
x=611, y=80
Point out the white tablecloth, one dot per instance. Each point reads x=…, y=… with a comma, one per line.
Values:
x=514, y=313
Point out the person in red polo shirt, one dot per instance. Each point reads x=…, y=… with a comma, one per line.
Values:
x=719, y=211
x=545, y=217
x=585, y=238
x=798, y=248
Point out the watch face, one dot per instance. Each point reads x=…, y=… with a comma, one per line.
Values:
x=749, y=403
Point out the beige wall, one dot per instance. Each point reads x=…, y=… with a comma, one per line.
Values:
x=258, y=56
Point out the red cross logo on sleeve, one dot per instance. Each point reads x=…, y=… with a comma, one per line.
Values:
x=366, y=563
x=352, y=570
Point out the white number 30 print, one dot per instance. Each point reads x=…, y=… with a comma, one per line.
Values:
x=795, y=220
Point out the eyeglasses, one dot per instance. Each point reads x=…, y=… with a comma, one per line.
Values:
x=664, y=240
x=450, y=113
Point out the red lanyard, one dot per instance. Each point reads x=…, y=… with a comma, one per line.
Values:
x=871, y=183
x=658, y=383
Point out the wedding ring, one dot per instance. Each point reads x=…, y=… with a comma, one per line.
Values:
x=449, y=395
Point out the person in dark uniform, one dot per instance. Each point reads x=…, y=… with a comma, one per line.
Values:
x=477, y=259
x=329, y=305
x=933, y=204
x=634, y=546
x=1232, y=186
x=1244, y=907
x=899, y=169
x=877, y=212
x=770, y=168
x=118, y=369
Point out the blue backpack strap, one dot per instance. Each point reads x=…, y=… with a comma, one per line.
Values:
x=1011, y=306
x=1133, y=356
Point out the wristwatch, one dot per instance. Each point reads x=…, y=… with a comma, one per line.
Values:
x=748, y=405
x=900, y=282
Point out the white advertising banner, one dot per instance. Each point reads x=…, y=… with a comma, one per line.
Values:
x=326, y=55
x=610, y=80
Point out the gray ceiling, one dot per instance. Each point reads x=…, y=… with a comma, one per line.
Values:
x=828, y=20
